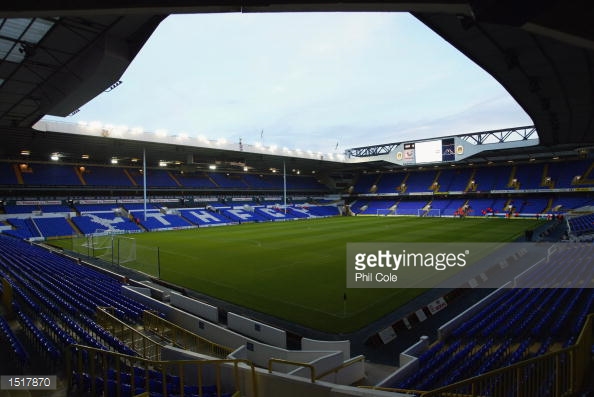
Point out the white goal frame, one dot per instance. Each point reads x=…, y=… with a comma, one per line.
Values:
x=430, y=213
x=108, y=245
x=384, y=212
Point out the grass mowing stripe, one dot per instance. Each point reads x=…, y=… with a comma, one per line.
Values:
x=297, y=270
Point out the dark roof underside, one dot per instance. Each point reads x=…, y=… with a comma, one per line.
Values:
x=540, y=51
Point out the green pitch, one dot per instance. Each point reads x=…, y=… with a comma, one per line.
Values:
x=297, y=270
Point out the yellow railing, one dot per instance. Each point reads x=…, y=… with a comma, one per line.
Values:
x=136, y=340
x=183, y=338
x=89, y=370
x=342, y=366
x=312, y=369
x=558, y=373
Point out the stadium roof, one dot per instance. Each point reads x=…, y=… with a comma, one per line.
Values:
x=57, y=55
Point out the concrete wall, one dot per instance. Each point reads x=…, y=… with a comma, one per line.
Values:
x=343, y=345
x=259, y=331
x=200, y=309
x=205, y=329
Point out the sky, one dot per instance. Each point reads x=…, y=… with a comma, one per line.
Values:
x=311, y=81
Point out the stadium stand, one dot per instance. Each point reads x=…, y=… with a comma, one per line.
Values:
x=365, y=182
x=57, y=299
x=420, y=181
x=243, y=215
x=107, y=176
x=492, y=178
x=55, y=208
x=581, y=225
x=454, y=179
x=565, y=174
x=390, y=183
x=23, y=228
x=93, y=222
x=53, y=227
x=509, y=329
x=308, y=183
x=373, y=206
x=323, y=210
x=564, y=204
x=529, y=176
x=155, y=178
x=196, y=180
x=447, y=207
x=263, y=181
x=7, y=174
x=84, y=208
x=50, y=175
x=203, y=217
x=158, y=221
x=228, y=181
x=20, y=209
x=410, y=207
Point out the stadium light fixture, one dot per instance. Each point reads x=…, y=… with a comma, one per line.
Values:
x=114, y=160
x=162, y=163
x=85, y=156
x=212, y=167
x=245, y=168
x=55, y=156
x=25, y=152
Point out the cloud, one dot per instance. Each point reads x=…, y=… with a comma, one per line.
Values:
x=309, y=80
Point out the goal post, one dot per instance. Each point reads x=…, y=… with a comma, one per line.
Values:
x=431, y=212
x=107, y=245
x=119, y=248
x=125, y=250
x=384, y=211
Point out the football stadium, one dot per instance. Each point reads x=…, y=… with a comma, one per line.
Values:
x=146, y=263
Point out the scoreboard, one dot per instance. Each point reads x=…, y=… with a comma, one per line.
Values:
x=424, y=152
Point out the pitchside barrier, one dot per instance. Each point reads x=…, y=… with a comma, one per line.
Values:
x=120, y=250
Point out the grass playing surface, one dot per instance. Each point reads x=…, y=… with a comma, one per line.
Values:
x=297, y=270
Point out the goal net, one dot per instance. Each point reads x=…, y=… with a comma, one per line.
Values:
x=106, y=245
x=126, y=250
x=431, y=212
x=384, y=212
